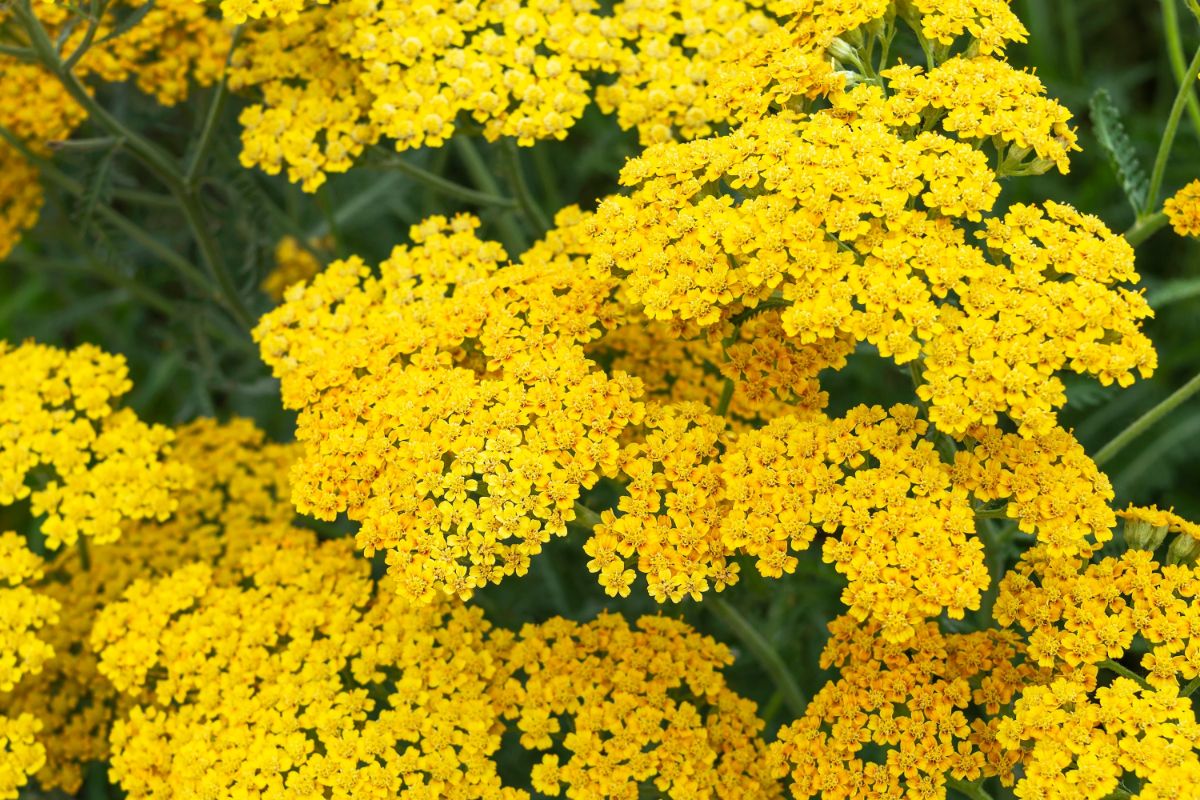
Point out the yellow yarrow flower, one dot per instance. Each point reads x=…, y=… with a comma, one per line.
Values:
x=1183, y=210
x=240, y=497
x=86, y=466
x=24, y=612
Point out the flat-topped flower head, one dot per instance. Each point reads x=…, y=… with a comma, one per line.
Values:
x=448, y=404
x=24, y=613
x=86, y=466
x=239, y=499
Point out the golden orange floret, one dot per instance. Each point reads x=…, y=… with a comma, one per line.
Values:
x=1082, y=741
x=612, y=706
x=1048, y=483
x=979, y=98
x=1076, y=612
x=24, y=613
x=899, y=720
x=239, y=499
x=292, y=672
x=1183, y=210
x=87, y=467
x=448, y=405
x=991, y=23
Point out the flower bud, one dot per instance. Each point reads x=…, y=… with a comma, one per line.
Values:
x=1142, y=535
x=844, y=53
x=1183, y=550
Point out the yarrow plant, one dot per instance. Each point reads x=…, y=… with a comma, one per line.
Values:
x=721, y=423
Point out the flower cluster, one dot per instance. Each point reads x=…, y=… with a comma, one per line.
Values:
x=1183, y=210
x=1047, y=483
x=825, y=224
x=900, y=720
x=23, y=612
x=448, y=404
x=869, y=484
x=289, y=676
x=86, y=466
x=635, y=706
x=240, y=492
x=1082, y=740
x=340, y=76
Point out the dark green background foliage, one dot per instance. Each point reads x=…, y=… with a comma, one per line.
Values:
x=79, y=279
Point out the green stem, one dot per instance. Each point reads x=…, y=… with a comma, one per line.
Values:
x=722, y=408
x=481, y=174
x=19, y=53
x=973, y=790
x=993, y=513
x=211, y=120
x=185, y=268
x=1144, y=422
x=529, y=206
x=546, y=177
x=210, y=252
x=93, y=23
x=362, y=200
x=1125, y=672
x=1170, y=14
x=1168, y=140
x=448, y=187
x=151, y=155
x=1191, y=688
x=768, y=657
x=1146, y=227
x=85, y=558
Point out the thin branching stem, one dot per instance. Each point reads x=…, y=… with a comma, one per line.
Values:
x=762, y=650
x=1168, y=139
x=1146, y=421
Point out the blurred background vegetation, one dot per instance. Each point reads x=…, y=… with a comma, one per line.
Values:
x=77, y=278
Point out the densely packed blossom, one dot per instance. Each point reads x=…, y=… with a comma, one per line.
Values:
x=335, y=78
x=868, y=484
x=630, y=706
x=456, y=415
x=839, y=244
x=240, y=493
x=1183, y=210
x=1047, y=483
x=1082, y=741
x=86, y=466
x=23, y=613
x=820, y=196
x=921, y=707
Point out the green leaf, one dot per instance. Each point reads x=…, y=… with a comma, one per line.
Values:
x=98, y=188
x=1173, y=291
x=1106, y=120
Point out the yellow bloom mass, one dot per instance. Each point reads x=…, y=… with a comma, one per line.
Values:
x=86, y=466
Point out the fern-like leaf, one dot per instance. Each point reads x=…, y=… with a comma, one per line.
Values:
x=1106, y=120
